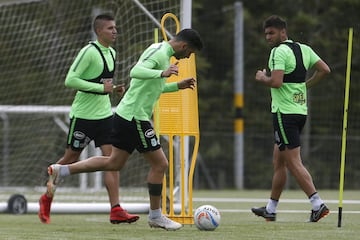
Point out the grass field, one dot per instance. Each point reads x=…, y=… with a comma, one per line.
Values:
x=237, y=222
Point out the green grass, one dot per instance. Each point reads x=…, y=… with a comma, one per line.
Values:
x=238, y=224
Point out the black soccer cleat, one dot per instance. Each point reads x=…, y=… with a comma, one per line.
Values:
x=261, y=212
x=317, y=215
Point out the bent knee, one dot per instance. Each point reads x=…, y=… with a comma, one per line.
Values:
x=164, y=166
x=113, y=164
x=161, y=167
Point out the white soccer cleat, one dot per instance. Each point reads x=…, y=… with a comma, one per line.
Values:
x=165, y=223
x=53, y=171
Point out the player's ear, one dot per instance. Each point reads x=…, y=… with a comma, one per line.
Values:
x=183, y=45
x=283, y=31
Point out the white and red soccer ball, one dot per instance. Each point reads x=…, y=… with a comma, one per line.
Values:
x=207, y=218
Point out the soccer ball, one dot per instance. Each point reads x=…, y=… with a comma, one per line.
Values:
x=207, y=218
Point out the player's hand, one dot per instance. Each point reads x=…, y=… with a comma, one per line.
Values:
x=260, y=75
x=187, y=83
x=119, y=89
x=173, y=69
x=108, y=86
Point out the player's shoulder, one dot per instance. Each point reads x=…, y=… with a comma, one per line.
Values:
x=155, y=47
x=286, y=47
x=283, y=49
x=154, y=51
x=87, y=49
x=93, y=49
x=305, y=47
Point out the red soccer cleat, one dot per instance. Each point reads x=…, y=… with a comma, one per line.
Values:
x=44, y=208
x=119, y=215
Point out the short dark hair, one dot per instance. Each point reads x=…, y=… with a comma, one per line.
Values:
x=190, y=36
x=101, y=17
x=275, y=21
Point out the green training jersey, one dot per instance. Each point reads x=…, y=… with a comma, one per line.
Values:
x=291, y=97
x=88, y=65
x=146, y=83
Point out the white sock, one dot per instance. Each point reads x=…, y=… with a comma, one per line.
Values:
x=155, y=213
x=64, y=171
x=316, y=201
x=271, y=206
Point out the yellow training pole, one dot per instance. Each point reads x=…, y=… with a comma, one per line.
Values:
x=343, y=145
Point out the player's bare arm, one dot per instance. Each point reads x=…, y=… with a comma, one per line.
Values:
x=187, y=83
x=108, y=86
x=321, y=70
x=119, y=89
x=173, y=69
x=275, y=80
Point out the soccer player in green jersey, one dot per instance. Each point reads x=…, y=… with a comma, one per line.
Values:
x=132, y=127
x=91, y=75
x=288, y=62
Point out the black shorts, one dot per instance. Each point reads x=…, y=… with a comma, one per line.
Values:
x=287, y=129
x=83, y=131
x=134, y=134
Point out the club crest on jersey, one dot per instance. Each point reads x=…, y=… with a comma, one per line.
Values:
x=150, y=133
